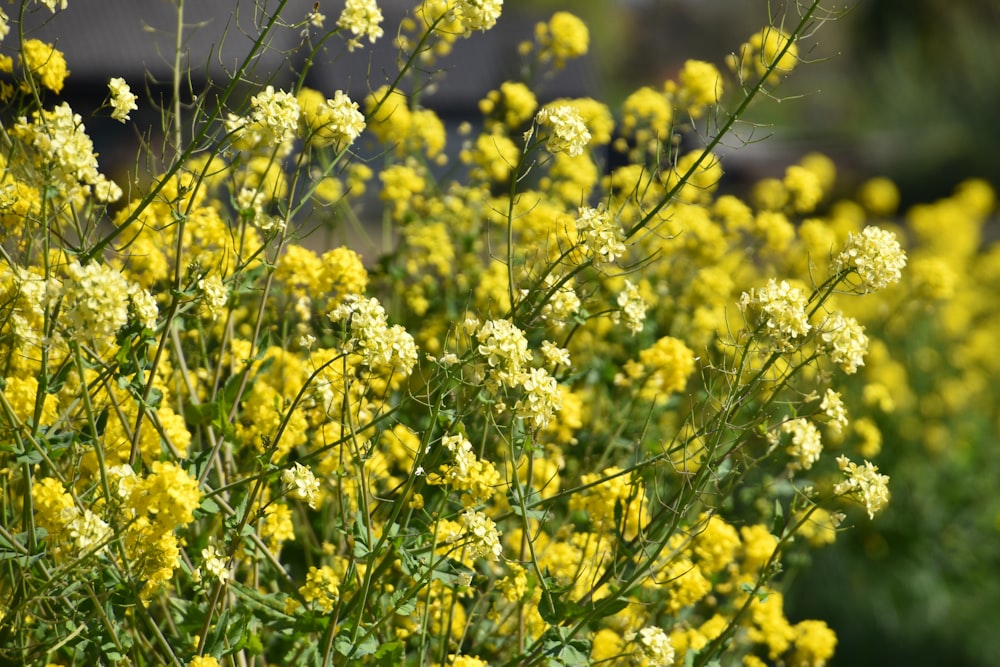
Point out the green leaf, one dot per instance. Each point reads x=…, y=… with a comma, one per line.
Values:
x=209, y=506
x=553, y=610
x=402, y=607
x=57, y=381
x=562, y=650
x=155, y=398
x=345, y=646
x=30, y=457
x=390, y=654
x=303, y=656
x=611, y=607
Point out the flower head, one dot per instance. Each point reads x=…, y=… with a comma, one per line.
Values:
x=504, y=347
x=214, y=564
x=845, y=341
x=53, y=4
x=96, y=298
x=478, y=14
x=806, y=444
x=122, y=99
x=300, y=483
x=346, y=122
x=370, y=334
x=322, y=587
x=833, y=407
x=567, y=131
x=45, y=62
x=779, y=309
x=653, y=647
x=864, y=484
x=541, y=398
x=633, y=307
x=485, y=542
x=875, y=256
x=600, y=235
x=564, y=37
x=276, y=114
x=700, y=85
x=364, y=19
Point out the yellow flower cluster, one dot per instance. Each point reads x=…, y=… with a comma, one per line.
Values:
x=59, y=145
x=122, y=99
x=364, y=19
x=335, y=121
x=863, y=483
x=772, y=50
x=46, y=63
x=556, y=396
x=562, y=38
x=566, y=130
x=780, y=310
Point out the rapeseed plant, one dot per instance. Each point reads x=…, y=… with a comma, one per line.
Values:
x=563, y=416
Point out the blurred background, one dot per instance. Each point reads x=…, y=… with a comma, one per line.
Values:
x=908, y=89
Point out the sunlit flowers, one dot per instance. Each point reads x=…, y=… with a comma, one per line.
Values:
x=478, y=14
x=59, y=140
x=210, y=423
x=364, y=19
x=485, y=539
x=562, y=38
x=53, y=5
x=653, y=647
x=276, y=114
x=45, y=62
x=875, y=256
x=301, y=484
x=96, y=300
x=346, y=121
x=379, y=344
x=864, y=484
x=541, y=398
x=845, y=341
x=214, y=564
x=564, y=128
x=504, y=347
x=806, y=445
x=779, y=310
x=833, y=407
x=122, y=99
x=600, y=234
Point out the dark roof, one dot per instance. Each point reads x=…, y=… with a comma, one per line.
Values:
x=135, y=39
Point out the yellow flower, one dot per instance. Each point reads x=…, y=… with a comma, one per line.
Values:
x=122, y=99
x=700, y=85
x=880, y=196
x=769, y=49
x=564, y=37
x=203, y=661
x=566, y=129
x=45, y=62
x=864, y=484
x=646, y=114
x=364, y=19
x=814, y=644
x=322, y=587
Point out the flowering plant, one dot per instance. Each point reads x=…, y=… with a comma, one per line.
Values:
x=561, y=417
